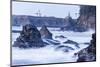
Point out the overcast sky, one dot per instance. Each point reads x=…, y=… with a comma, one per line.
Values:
x=56, y=10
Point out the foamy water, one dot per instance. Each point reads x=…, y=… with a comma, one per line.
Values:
x=49, y=54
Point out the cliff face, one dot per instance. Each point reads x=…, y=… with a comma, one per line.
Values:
x=87, y=16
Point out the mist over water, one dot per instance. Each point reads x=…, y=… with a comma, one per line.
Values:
x=49, y=54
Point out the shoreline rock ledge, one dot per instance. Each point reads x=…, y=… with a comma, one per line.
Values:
x=29, y=37
x=89, y=53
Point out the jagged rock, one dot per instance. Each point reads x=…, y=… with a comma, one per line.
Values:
x=29, y=37
x=64, y=48
x=89, y=53
x=72, y=42
x=45, y=33
x=86, y=57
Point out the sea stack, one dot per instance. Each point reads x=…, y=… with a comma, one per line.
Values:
x=29, y=37
x=45, y=33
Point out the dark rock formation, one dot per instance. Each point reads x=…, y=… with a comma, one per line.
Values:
x=92, y=47
x=72, y=24
x=72, y=42
x=87, y=18
x=29, y=37
x=64, y=48
x=45, y=33
x=85, y=21
x=89, y=53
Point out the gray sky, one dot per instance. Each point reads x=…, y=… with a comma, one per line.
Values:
x=56, y=10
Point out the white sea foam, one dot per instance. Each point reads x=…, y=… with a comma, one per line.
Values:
x=48, y=54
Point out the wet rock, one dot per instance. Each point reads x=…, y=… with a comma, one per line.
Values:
x=89, y=53
x=72, y=42
x=92, y=47
x=54, y=42
x=29, y=37
x=45, y=33
x=86, y=57
x=46, y=43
